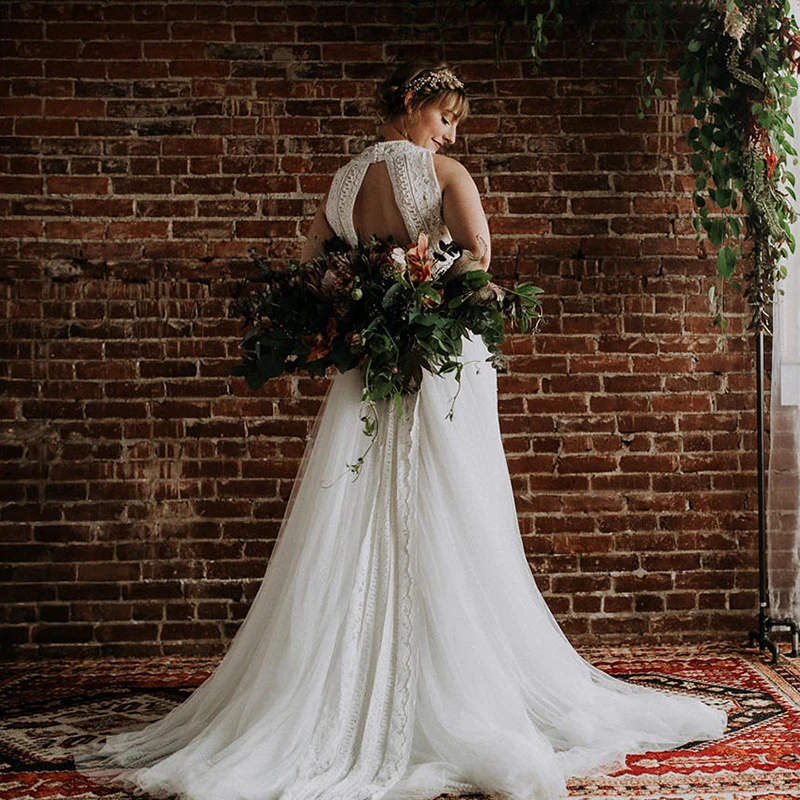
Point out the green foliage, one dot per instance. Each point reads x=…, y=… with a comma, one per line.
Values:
x=738, y=81
x=740, y=58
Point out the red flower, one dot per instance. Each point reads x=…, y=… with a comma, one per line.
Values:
x=791, y=44
x=759, y=140
x=771, y=159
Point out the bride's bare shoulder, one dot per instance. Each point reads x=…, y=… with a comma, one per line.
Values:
x=449, y=171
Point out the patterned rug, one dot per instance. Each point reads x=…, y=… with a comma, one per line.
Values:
x=47, y=708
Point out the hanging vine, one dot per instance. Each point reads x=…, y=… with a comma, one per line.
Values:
x=738, y=72
x=738, y=77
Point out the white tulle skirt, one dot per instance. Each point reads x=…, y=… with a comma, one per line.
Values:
x=399, y=647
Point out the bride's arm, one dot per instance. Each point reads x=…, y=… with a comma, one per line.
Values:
x=319, y=232
x=463, y=214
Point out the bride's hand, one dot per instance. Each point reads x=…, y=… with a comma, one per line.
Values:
x=489, y=294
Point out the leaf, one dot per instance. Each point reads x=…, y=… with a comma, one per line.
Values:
x=426, y=290
x=342, y=357
x=250, y=336
x=424, y=320
x=476, y=278
x=724, y=197
x=726, y=262
x=716, y=232
x=391, y=295
x=254, y=381
x=722, y=173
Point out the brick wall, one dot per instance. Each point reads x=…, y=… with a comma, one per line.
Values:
x=145, y=145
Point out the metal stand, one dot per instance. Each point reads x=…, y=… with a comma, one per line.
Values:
x=766, y=624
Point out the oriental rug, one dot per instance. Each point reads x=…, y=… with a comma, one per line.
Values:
x=48, y=708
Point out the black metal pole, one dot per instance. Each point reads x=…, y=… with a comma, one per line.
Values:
x=763, y=600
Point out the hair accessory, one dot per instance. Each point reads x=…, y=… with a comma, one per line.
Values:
x=432, y=79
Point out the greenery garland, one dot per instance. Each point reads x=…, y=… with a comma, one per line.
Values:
x=740, y=59
x=738, y=72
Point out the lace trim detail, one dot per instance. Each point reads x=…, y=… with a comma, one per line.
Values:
x=362, y=743
x=417, y=192
x=401, y=718
x=342, y=199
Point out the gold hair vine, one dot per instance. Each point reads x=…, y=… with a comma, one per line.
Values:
x=432, y=79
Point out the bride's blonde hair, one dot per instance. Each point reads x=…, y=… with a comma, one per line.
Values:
x=433, y=82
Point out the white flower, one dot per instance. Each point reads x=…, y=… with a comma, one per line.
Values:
x=398, y=256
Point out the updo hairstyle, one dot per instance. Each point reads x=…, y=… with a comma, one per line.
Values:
x=432, y=82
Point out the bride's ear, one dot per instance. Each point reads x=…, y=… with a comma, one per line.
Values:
x=407, y=101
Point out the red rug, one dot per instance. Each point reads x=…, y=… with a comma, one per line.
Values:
x=44, y=705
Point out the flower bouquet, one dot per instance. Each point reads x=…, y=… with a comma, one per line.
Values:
x=376, y=307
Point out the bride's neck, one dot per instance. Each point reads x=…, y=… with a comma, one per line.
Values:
x=390, y=132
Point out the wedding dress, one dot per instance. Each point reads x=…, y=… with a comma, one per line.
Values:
x=398, y=647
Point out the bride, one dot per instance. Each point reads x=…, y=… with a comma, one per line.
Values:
x=398, y=647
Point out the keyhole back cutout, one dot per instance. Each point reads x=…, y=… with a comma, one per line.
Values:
x=375, y=211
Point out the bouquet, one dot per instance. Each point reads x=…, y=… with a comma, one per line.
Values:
x=378, y=308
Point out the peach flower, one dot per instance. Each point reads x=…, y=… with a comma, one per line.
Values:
x=419, y=261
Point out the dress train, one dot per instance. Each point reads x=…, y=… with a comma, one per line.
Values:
x=399, y=647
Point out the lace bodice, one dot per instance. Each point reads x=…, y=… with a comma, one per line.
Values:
x=416, y=190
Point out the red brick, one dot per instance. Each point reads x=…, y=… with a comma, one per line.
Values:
x=574, y=584
x=21, y=107
x=84, y=207
x=59, y=184
x=716, y=462
x=138, y=229
x=76, y=229
x=22, y=68
x=525, y=225
x=21, y=228
x=74, y=107
x=192, y=146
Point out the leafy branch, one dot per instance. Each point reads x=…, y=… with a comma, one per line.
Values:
x=740, y=58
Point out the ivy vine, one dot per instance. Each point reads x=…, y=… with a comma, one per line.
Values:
x=738, y=72
x=738, y=77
